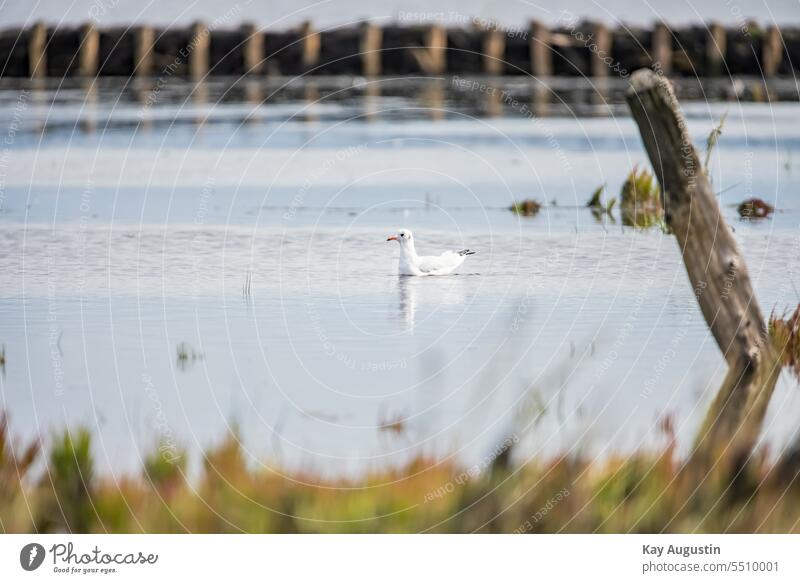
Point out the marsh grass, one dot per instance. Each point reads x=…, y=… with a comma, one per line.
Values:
x=187, y=356
x=66, y=491
x=711, y=142
x=785, y=333
x=647, y=491
x=598, y=207
x=247, y=286
x=640, y=200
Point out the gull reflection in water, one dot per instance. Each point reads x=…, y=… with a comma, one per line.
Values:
x=436, y=292
x=408, y=301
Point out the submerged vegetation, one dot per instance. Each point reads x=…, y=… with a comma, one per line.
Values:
x=187, y=356
x=645, y=492
x=641, y=199
x=754, y=208
x=526, y=208
x=597, y=206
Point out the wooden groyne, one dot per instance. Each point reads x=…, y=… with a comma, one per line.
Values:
x=579, y=49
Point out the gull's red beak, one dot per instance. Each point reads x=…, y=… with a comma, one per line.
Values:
x=392, y=238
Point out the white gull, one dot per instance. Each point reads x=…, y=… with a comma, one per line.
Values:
x=413, y=264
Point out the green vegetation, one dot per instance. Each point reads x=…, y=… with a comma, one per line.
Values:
x=526, y=208
x=597, y=206
x=641, y=200
x=649, y=491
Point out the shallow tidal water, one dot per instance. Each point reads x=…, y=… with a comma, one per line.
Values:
x=211, y=264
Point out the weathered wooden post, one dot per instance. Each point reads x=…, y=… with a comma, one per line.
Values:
x=143, y=42
x=771, y=52
x=494, y=47
x=602, y=41
x=252, y=49
x=715, y=266
x=716, y=48
x=662, y=48
x=541, y=55
x=37, y=55
x=311, y=45
x=198, y=49
x=431, y=57
x=88, y=53
x=370, y=49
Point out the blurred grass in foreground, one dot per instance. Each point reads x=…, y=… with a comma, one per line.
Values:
x=643, y=492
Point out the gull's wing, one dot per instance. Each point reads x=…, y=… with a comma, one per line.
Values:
x=441, y=264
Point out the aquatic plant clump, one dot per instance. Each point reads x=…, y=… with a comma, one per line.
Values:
x=597, y=206
x=755, y=208
x=785, y=334
x=640, y=196
x=526, y=208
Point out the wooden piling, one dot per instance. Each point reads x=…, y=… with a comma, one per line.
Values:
x=494, y=48
x=252, y=49
x=771, y=52
x=715, y=266
x=431, y=57
x=89, y=52
x=370, y=49
x=198, y=49
x=373, y=50
x=311, y=45
x=716, y=49
x=541, y=55
x=602, y=41
x=37, y=55
x=661, y=50
x=143, y=42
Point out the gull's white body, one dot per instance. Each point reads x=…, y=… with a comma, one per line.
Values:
x=412, y=264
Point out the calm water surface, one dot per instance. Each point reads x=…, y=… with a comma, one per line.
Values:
x=177, y=271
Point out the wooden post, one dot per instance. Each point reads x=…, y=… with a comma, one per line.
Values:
x=494, y=102
x=494, y=48
x=715, y=266
x=433, y=98
x=252, y=49
x=541, y=55
x=311, y=96
x=602, y=40
x=37, y=55
x=771, y=52
x=716, y=49
x=89, y=51
x=370, y=49
x=198, y=50
x=143, y=43
x=431, y=57
x=311, y=45
x=372, y=105
x=662, y=49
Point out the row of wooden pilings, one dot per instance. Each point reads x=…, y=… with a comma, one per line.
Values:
x=585, y=49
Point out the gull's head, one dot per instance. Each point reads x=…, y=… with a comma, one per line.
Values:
x=403, y=237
